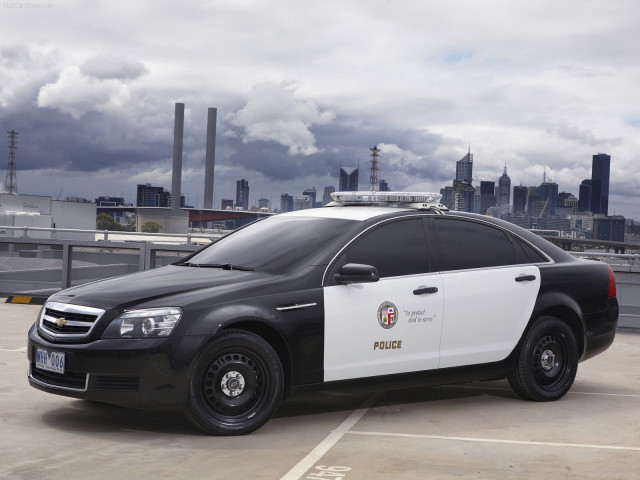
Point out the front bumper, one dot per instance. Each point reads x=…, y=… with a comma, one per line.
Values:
x=151, y=373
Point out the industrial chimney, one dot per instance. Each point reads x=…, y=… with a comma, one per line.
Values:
x=176, y=179
x=210, y=157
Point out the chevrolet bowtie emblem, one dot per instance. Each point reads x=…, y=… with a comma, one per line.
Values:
x=61, y=322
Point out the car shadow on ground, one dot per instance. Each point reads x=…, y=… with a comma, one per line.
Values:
x=87, y=417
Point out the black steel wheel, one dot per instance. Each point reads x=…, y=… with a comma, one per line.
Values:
x=237, y=384
x=548, y=361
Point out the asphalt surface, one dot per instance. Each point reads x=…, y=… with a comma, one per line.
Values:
x=467, y=431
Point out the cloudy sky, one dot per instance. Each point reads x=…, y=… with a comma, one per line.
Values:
x=303, y=86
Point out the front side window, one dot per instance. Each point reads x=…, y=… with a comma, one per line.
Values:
x=395, y=249
x=276, y=244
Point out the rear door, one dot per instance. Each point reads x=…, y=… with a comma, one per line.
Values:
x=390, y=326
x=489, y=287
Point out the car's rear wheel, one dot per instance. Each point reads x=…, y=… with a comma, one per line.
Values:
x=547, y=363
x=237, y=384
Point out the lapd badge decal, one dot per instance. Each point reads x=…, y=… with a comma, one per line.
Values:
x=387, y=315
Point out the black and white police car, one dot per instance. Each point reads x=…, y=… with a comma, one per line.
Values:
x=377, y=285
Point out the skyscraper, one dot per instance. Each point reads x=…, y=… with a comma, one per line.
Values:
x=286, y=203
x=311, y=193
x=504, y=188
x=328, y=190
x=520, y=198
x=600, y=168
x=464, y=168
x=549, y=194
x=487, y=196
x=584, y=196
x=242, y=194
x=349, y=179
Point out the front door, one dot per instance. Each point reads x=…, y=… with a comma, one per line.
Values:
x=389, y=326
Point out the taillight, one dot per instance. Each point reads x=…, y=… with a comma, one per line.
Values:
x=612, y=283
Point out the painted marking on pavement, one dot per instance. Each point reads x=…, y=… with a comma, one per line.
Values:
x=495, y=440
x=334, y=437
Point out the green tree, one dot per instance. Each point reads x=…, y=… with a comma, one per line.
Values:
x=105, y=221
x=151, y=227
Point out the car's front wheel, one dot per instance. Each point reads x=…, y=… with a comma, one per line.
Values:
x=547, y=363
x=237, y=384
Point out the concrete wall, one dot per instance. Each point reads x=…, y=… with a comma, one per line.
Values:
x=74, y=215
x=172, y=221
x=25, y=220
x=43, y=212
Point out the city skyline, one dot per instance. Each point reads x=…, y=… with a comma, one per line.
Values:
x=535, y=86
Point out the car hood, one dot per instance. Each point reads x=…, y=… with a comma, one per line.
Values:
x=143, y=287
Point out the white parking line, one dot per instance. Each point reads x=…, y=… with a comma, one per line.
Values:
x=21, y=350
x=471, y=387
x=334, y=437
x=495, y=440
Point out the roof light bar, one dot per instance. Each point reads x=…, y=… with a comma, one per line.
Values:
x=422, y=200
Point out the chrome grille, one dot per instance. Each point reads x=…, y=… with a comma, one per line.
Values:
x=67, y=321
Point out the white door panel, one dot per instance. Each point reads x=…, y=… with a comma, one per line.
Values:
x=486, y=312
x=382, y=328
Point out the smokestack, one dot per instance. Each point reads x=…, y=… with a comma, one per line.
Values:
x=210, y=157
x=176, y=178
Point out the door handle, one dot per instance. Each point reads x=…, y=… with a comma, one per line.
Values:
x=525, y=278
x=420, y=291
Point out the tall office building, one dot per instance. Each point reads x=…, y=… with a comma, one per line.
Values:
x=349, y=179
x=548, y=192
x=519, y=198
x=242, y=194
x=504, y=189
x=487, y=196
x=383, y=186
x=311, y=193
x=326, y=196
x=584, y=196
x=286, y=203
x=464, y=168
x=226, y=204
x=600, y=168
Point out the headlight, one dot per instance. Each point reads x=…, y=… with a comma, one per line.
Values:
x=147, y=323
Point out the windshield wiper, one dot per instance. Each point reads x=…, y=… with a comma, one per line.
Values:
x=224, y=266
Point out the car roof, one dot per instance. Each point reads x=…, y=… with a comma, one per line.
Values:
x=358, y=213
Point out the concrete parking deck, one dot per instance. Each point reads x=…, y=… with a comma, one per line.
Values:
x=468, y=431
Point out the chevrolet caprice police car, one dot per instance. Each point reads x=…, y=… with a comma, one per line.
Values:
x=374, y=286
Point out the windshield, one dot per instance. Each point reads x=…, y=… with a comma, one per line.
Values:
x=276, y=244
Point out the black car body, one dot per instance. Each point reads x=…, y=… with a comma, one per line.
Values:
x=355, y=292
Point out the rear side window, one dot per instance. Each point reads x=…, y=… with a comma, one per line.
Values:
x=461, y=245
x=531, y=255
x=395, y=249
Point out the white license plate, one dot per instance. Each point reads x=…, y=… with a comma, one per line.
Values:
x=50, y=361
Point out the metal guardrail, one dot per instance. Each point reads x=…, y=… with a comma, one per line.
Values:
x=42, y=266
x=105, y=233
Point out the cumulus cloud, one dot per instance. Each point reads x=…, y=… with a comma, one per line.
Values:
x=109, y=66
x=76, y=94
x=274, y=114
x=22, y=71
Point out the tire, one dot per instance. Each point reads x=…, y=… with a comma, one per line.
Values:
x=237, y=384
x=547, y=363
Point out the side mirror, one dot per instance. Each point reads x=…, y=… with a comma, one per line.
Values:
x=357, y=273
